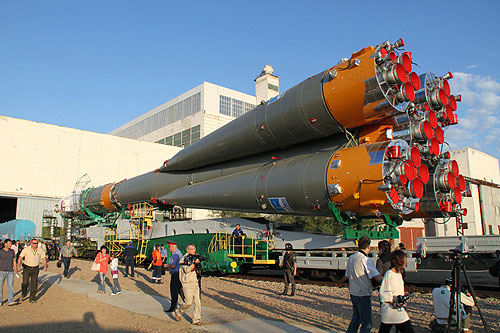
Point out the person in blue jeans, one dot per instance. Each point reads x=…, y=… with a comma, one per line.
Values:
x=67, y=251
x=360, y=270
x=8, y=268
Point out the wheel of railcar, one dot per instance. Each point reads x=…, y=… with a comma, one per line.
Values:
x=335, y=276
x=244, y=269
x=304, y=274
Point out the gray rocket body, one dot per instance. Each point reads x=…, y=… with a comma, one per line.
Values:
x=363, y=135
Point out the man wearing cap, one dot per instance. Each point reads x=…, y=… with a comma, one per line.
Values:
x=173, y=268
x=31, y=256
x=67, y=251
x=441, y=301
x=289, y=265
x=130, y=252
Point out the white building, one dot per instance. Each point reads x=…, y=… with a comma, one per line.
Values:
x=41, y=164
x=188, y=117
x=198, y=112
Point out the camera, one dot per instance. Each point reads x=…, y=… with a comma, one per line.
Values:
x=400, y=301
x=191, y=259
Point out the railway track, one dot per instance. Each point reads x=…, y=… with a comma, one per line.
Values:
x=483, y=292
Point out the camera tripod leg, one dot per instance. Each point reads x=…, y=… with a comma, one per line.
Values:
x=455, y=302
x=485, y=325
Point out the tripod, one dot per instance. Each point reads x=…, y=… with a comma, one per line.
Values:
x=455, y=296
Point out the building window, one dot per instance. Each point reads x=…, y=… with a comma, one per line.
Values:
x=161, y=141
x=273, y=87
x=177, y=139
x=233, y=107
x=195, y=134
x=186, y=137
x=225, y=105
x=162, y=118
x=237, y=108
x=247, y=107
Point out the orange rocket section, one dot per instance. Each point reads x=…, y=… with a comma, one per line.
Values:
x=357, y=176
x=345, y=94
x=106, y=198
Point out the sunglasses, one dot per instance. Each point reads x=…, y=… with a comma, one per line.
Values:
x=36, y=243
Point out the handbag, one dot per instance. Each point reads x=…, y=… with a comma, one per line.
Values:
x=59, y=264
x=95, y=266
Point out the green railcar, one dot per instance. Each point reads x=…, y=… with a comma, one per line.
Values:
x=222, y=253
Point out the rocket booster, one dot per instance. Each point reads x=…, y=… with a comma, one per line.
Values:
x=365, y=134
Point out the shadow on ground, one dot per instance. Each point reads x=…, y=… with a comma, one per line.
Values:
x=88, y=324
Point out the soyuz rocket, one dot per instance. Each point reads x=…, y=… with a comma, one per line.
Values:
x=366, y=134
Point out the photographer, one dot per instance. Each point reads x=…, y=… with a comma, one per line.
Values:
x=392, y=299
x=189, y=280
x=441, y=301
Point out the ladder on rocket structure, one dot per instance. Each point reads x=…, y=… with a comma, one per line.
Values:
x=141, y=220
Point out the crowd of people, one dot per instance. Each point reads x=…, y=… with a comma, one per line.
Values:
x=184, y=274
x=387, y=274
x=15, y=255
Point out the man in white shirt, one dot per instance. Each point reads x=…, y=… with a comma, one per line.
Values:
x=441, y=301
x=360, y=270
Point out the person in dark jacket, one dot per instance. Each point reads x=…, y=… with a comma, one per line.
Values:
x=289, y=265
x=384, y=257
x=130, y=252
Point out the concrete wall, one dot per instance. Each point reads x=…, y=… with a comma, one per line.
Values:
x=41, y=163
x=46, y=160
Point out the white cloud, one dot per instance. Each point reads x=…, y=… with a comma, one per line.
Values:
x=472, y=66
x=478, y=114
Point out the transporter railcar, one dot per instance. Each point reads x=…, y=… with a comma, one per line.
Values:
x=318, y=255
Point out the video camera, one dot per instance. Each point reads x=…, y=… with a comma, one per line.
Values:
x=194, y=259
x=400, y=301
x=191, y=259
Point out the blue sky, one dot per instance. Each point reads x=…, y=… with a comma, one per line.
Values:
x=95, y=65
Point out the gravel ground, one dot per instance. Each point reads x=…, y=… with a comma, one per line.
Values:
x=319, y=306
x=58, y=310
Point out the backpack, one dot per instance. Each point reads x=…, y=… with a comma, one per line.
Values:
x=495, y=269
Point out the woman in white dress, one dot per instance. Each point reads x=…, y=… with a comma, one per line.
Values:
x=393, y=286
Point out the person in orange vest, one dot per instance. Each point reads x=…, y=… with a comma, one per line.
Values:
x=157, y=264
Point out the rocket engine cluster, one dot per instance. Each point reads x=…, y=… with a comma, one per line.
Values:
x=366, y=134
